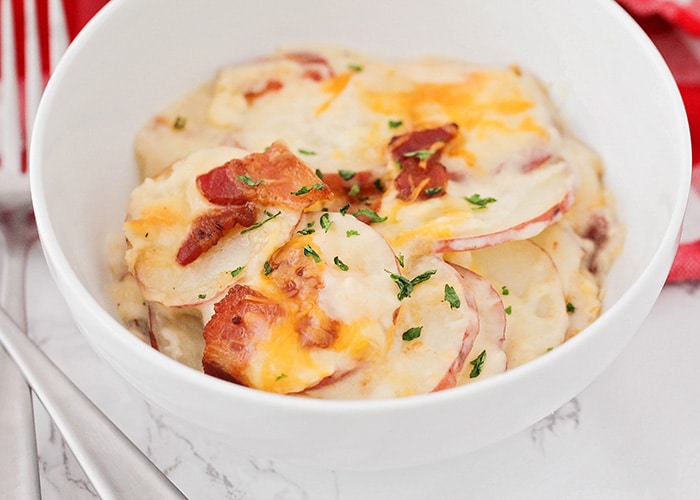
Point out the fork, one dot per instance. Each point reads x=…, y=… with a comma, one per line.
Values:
x=114, y=465
x=19, y=473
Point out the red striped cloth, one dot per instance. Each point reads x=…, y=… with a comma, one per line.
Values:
x=674, y=26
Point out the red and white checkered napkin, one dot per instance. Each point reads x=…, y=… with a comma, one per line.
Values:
x=674, y=26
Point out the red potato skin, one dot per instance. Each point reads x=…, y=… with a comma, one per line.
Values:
x=524, y=230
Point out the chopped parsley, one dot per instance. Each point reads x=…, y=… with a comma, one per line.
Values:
x=400, y=259
x=432, y=191
x=477, y=364
x=280, y=377
x=421, y=154
x=395, y=123
x=344, y=209
x=355, y=67
x=412, y=333
x=504, y=290
x=310, y=252
x=570, y=307
x=346, y=174
x=351, y=232
x=378, y=185
x=508, y=310
x=451, y=297
x=270, y=216
x=307, y=189
x=406, y=285
x=371, y=214
x=341, y=265
x=309, y=229
x=202, y=296
x=307, y=152
x=237, y=271
x=319, y=174
x=354, y=190
x=248, y=181
x=478, y=201
x=179, y=123
x=325, y=222
x=267, y=268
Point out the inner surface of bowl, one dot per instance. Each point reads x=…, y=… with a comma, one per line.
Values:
x=604, y=74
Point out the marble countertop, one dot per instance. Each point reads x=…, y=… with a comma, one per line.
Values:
x=632, y=434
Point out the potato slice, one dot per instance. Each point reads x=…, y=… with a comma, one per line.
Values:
x=431, y=340
x=532, y=293
x=581, y=290
x=487, y=356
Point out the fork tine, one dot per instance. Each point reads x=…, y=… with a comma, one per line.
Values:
x=11, y=148
x=33, y=78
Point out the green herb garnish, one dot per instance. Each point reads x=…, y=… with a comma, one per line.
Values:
x=451, y=297
x=354, y=190
x=373, y=216
x=346, y=174
x=309, y=229
x=270, y=216
x=504, y=290
x=267, y=268
x=421, y=154
x=247, y=180
x=352, y=232
x=307, y=152
x=237, y=271
x=325, y=222
x=412, y=333
x=355, y=67
x=570, y=307
x=405, y=285
x=395, y=123
x=508, y=310
x=310, y=252
x=478, y=201
x=432, y=191
x=307, y=189
x=340, y=263
x=179, y=123
x=477, y=364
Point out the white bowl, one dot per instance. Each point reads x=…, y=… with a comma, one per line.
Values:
x=137, y=55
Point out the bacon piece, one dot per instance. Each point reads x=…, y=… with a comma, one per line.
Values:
x=269, y=86
x=418, y=154
x=209, y=228
x=240, y=320
x=275, y=175
x=316, y=66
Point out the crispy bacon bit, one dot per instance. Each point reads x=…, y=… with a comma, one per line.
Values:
x=241, y=319
x=418, y=155
x=275, y=175
x=269, y=86
x=316, y=66
x=209, y=228
x=242, y=184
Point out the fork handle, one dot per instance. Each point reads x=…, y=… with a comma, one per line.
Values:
x=114, y=465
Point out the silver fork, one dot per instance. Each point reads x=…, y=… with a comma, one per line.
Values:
x=19, y=473
x=114, y=465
